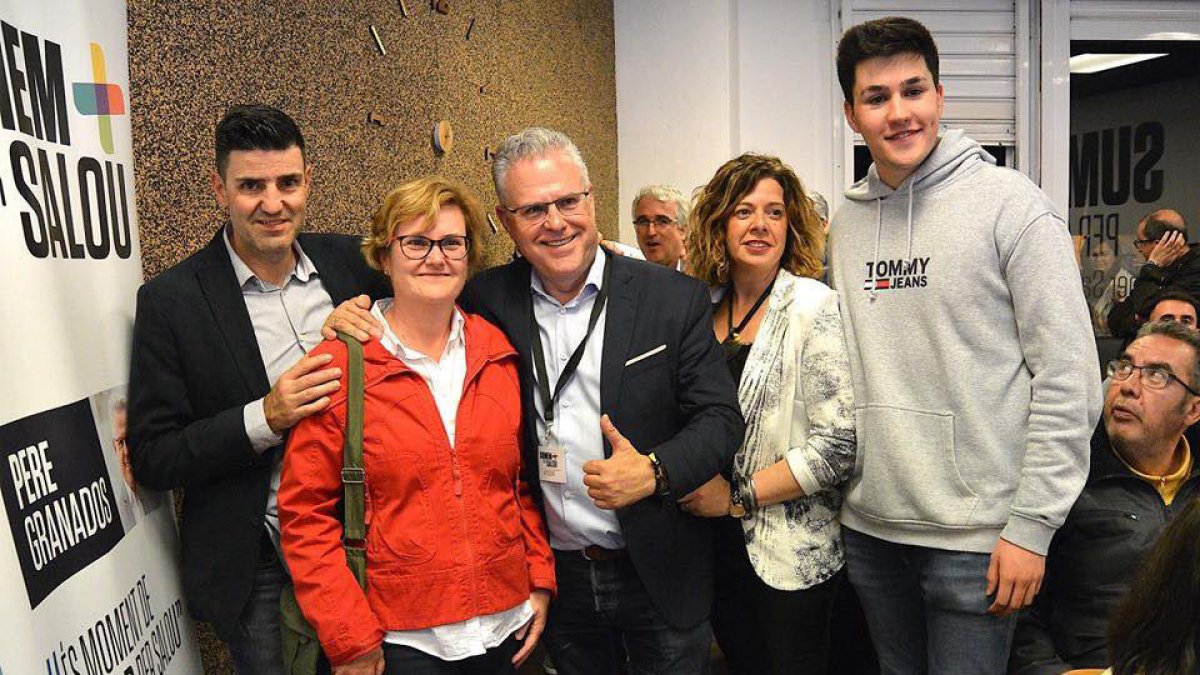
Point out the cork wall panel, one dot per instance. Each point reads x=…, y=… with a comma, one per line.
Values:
x=489, y=67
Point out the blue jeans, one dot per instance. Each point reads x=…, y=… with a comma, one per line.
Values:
x=603, y=623
x=927, y=608
x=257, y=649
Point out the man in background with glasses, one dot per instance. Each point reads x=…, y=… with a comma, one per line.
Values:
x=628, y=406
x=1142, y=472
x=1170, y=261
x=659, y=219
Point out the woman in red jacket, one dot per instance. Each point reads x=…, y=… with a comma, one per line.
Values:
x=459, y=569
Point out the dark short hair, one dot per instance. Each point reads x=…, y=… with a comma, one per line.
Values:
x=255, y=127
x=1159, y=223
x=1170, y=293
x=885, y=38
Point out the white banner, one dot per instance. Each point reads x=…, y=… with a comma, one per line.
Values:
x=89, y=562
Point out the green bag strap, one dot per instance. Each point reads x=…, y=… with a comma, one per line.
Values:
x=354, y=528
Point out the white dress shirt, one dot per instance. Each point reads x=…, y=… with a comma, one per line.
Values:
x=572, y=519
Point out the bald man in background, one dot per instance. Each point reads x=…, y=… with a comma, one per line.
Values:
x=1170, y=261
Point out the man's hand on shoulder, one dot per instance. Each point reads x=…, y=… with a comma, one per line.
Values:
x=352, y=317
x=1014, y=576
x=624, y=478
x=300, y=391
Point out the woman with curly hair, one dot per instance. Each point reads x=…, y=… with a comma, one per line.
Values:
x=756, y=239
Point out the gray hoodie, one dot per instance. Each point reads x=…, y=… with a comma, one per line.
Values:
x=976, y=378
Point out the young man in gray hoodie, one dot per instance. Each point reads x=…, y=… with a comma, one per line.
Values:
x=975, y=369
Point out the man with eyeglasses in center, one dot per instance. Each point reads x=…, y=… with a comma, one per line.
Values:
x=1142, y=472
x=628, y=406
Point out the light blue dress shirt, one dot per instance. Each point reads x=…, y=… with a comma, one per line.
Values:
x=572, y=519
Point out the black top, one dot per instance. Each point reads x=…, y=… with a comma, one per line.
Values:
x=736, y=354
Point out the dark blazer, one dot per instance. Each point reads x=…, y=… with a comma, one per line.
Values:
x=195, y=364
x=680, y=404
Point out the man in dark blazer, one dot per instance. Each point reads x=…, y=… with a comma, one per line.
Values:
x=634, y=572
x=219, y=374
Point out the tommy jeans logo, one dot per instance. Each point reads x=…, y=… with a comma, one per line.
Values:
x=898, y=273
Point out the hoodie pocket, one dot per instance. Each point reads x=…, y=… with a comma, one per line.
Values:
x=909, y=469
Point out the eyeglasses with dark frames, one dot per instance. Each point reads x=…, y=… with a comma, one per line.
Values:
x=536, y=214
x=1153, y=377
x=417, y=247
x=1144, y=242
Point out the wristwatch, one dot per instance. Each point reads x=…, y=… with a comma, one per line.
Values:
x=739, y=505
x=736, y=509
x=662, y=487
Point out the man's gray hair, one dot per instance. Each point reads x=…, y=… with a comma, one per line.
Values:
x=1177, y=331
x=533, y=142
x=665, y=193
x=820, y=205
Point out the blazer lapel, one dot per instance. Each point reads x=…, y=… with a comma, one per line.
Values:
x=514, y=313
x=619, y=319
x=518, y=307
x=219, y=285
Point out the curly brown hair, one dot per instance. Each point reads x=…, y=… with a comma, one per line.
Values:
x=714, y=203
x=423, y=197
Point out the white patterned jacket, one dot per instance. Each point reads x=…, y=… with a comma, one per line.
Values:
x=796, y=395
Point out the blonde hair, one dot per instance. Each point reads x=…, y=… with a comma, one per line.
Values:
x=714, y=204
x=423, y=198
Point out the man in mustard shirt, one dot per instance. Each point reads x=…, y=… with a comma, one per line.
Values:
x=1142, y=473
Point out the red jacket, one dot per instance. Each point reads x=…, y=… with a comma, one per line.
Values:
x=451, y=533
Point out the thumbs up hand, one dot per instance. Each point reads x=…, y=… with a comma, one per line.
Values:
x=624, y=478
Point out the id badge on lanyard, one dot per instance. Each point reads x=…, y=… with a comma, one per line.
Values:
x=552, y=460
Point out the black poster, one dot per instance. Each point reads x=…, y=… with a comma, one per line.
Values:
x=57, y=496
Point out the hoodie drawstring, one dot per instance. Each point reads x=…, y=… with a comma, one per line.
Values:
x=879, y=230
x=875, y=260
x=910, y=224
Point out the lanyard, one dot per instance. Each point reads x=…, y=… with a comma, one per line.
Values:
x=539, y=357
